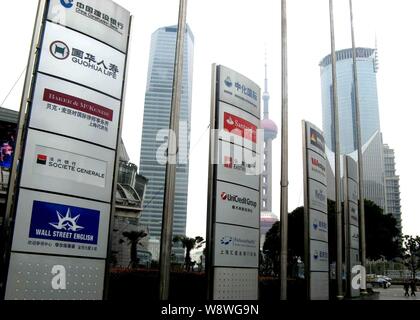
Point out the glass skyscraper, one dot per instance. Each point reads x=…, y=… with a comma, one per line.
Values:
x=157, y=109
x=367, y=68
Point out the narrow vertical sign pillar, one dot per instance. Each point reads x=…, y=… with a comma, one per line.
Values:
x=351, y=214
x=234, y=187
x=65, y=191
x=316, y=213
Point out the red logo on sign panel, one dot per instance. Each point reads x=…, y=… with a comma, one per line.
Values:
x=78, y=104
x=240, y=127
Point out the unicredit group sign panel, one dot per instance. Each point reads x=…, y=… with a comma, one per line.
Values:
x=101, y=19
x=66, y=166
x=239, y=91
x=61, y=225
x=71, y=110
x=73, y=56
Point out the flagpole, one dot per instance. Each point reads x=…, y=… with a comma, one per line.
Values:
x=284, y=157
x=359, y=153
x=339, y=240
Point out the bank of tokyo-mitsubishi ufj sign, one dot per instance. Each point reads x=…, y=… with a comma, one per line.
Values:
x=235, y=188
x=61, y=234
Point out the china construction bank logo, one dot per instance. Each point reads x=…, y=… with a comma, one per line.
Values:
x=67, y=3
x=57, y=222
x=59, y=50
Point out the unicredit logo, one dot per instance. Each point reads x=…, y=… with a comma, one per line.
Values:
x=235, y=198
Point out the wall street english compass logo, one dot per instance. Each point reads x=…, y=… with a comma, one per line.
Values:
x=67, y=223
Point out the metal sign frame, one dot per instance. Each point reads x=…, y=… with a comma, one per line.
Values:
x=24, y=126
x=215, y=142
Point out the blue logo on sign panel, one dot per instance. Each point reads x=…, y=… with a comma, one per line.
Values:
x=58, y=222
x=67, y=3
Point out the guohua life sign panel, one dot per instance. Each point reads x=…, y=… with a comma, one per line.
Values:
x=316, y=212
x=236, y=182
x=73, y=56
x=62, y=218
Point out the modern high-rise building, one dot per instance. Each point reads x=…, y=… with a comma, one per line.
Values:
x=367, y=68
x=392, y=182
x=157, y=109
x=268, y=218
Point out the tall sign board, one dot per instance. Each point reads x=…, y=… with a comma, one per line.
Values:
x=351, y=216
x=65, y=190
x=316, y=213
x=233, y=229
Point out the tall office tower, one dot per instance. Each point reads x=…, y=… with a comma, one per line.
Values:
x=270, y=134
x=392, y=182
x=373, y=162
x=157, y=109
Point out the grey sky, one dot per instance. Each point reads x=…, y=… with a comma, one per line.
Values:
x=235, y=33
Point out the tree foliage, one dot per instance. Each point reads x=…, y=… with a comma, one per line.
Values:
x=412, y=254
x=189, y=244
x=134, y=238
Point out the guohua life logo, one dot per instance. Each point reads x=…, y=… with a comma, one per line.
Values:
x=67, y=3
x=61, y=51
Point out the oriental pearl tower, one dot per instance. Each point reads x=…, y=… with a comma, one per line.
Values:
x=268, y=218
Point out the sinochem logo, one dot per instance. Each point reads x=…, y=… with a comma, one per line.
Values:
x=59, y=50
x=67, y=3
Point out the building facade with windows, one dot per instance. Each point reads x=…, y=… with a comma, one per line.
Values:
x=157, y=109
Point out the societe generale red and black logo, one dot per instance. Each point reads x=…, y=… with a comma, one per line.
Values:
x=41, y=159
x=59, y=50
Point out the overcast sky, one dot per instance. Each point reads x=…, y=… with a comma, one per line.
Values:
x=235, y=33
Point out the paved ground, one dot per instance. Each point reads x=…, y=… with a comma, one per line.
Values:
x=395, y=292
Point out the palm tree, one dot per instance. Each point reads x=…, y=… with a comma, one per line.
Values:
x=134, y=238
x=188, y=244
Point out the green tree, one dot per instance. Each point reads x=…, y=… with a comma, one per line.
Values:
x=188, y=244
x=412, y=254
x=134, y=238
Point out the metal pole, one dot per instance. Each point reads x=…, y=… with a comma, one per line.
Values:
x=284, y=157
x=359, y=155
x=168, y=206
x=8, y=219
x=339, y=263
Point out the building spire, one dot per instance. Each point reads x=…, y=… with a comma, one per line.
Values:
x=266, y=95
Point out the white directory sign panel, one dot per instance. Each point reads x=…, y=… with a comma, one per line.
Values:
x=236, y=246
x=354, y=214
x=353, y=192
x=316, y=212
x=238, y=165
x=61, y=225
x=317, y=167
x=239, y=91
x=318, y=196
x=318, y=228
x=62, y=165
x=42, y=277
x=239, y=127
x=237, y=205
x=319, y=256
x=101, y=19
x=235, y=284
x=72, y=56
x=71, y=110
x=319, y=286
x=354, y=237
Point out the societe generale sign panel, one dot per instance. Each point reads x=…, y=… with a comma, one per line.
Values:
x=236, y=246
x=101, y=19
x=239, y=91
x=237, y=205
x=71, y=110
x=61, y=225
x=73, y=56
x=67, y=166
x=239, y=127
x=43, y=277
